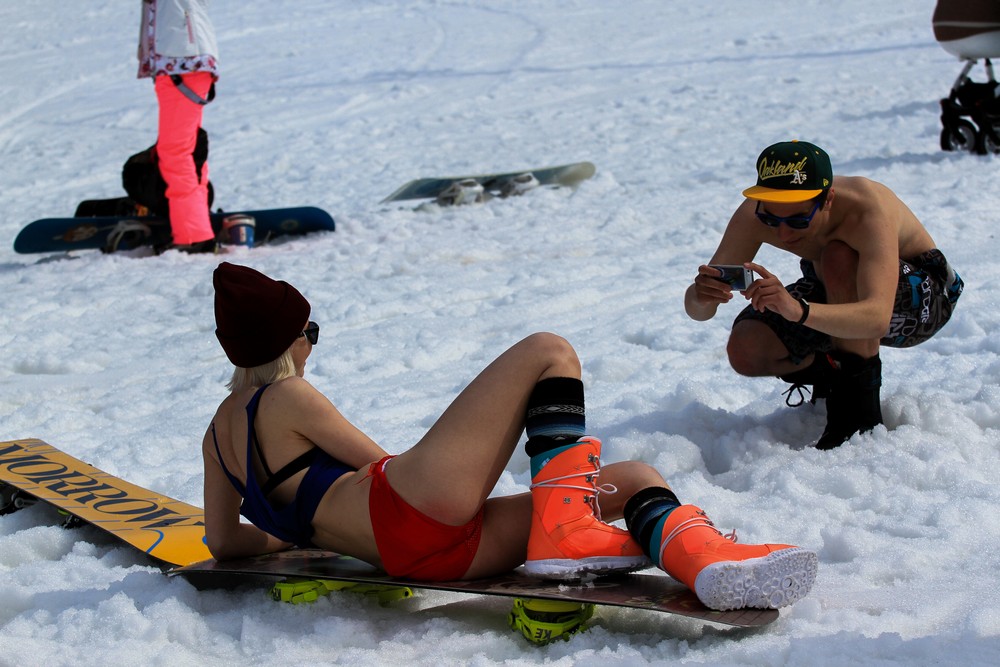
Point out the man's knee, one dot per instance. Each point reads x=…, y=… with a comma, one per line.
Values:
x=752, y=349
x=743, y=360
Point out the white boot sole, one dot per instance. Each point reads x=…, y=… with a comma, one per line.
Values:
x=577, y=568
x=770, y=582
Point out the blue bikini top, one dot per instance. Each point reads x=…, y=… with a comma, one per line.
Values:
x=291, y=522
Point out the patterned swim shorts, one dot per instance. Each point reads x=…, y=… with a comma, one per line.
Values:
x=926, y=294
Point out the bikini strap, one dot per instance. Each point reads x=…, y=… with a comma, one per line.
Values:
x=299, y=463
x=232, y=478
x=252, y=430
x=273, y=479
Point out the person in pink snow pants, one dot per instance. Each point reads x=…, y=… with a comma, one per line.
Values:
x=177, y=49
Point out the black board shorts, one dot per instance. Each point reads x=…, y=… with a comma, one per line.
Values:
x=926, y=294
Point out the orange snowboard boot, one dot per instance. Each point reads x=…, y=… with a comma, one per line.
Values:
x=725, y=575
x=568, y=539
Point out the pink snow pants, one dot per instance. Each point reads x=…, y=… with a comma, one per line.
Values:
x=180, y=119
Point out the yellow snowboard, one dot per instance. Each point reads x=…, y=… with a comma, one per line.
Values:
x=166, y=529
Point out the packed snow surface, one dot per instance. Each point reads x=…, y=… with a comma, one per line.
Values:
x=113, y=358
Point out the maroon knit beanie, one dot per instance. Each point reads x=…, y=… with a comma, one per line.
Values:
x=256, y=318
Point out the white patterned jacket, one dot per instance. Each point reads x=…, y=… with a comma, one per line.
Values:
x=176, y=37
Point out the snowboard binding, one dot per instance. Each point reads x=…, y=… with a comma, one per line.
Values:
x=544, y=621
x=518, y=185
x=459, y=193
x=472, y=191
x=126, y=235
x=13, y=499
x=300, y=591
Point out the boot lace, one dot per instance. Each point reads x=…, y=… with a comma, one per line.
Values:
x=802, y=389
x=701, y=521
x=817, y=375
x=590, y=478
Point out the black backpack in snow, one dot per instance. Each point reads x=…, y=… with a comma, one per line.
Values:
x=145, y=185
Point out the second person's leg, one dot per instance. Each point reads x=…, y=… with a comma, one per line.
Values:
x=187, y=194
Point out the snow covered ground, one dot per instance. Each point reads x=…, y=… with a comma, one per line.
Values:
x=335, y=104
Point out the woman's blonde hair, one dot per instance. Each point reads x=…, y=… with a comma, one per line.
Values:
x=279, y=369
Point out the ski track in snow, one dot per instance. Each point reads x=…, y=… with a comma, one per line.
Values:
x=335, y=104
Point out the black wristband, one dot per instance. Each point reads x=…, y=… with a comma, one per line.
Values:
x=805, y=311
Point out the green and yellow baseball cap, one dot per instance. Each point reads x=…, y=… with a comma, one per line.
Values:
x=791, y=171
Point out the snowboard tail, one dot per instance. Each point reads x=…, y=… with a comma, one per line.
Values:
x=168, y=530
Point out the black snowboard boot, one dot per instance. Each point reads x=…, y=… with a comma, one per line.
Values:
x=853, y=404
x=819, y=375
x=208, y=246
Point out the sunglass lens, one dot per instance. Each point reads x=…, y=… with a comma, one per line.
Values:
x=768, y=219
x=312, y=333
x=793, y=221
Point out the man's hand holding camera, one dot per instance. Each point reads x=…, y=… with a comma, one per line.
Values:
x=767, y=292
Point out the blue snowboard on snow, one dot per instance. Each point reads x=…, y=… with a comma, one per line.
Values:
x=111, y=233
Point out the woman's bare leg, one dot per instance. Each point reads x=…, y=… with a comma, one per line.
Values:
x=449, y=474
x=504, y=542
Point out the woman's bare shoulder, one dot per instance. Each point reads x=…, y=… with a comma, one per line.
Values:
x=295, y=393
x=292, y=387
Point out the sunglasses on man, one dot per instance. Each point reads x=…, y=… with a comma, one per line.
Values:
x=793, y=221
x=311, y=332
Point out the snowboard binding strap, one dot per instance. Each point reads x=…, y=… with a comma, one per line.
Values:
x=300, y=591
x=13, y=499
x=544, y=621
x=132, y=232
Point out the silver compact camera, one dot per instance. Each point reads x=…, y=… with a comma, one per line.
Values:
x=736, y=276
